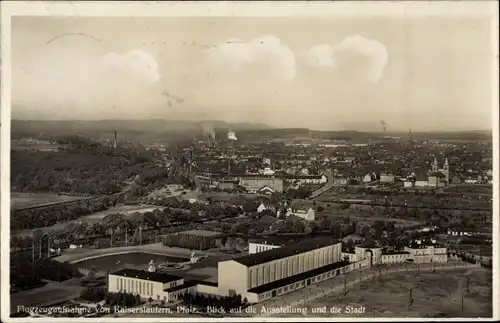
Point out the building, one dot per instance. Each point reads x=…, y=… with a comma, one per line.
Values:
x=421, y=180
x=307, y=179
x=467, y=232
x=228, y=184
x=146, y=284
x=266, y=190
x=309, y=214
x=254, y=183
x=436, y=179
x=268, y=171
x=265, y=206
x=340, y=180
x=408, y=183
x=256, y=247
x=439, y=177
x=387, y=178
x=425, y=254
x=274, y=272
x=368, y=178
x=272, y=269
x=155, y=285
x=417, y=253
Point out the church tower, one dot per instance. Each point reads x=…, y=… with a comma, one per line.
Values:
x=434, y=165
x=446, y=171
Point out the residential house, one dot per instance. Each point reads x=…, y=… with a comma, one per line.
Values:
x=265, y=206
x=387, y=178
x=266, y=190
x=368, y=178
x=307, y=179
x=421, y=180
x=309, y=214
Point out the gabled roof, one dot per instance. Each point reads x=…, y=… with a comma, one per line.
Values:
x=436, y=174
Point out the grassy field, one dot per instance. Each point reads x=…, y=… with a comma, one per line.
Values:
x=434, y=295
x=484, y=189
x=28, y=200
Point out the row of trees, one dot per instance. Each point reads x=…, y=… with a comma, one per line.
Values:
x=188, y=241
x=25, y=273
x=52, y=214
x=121, y=299
x=226, y=302
x=94, y=294
x=212, y=210
x=112, y=226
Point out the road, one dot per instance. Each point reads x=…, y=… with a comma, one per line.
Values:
x=329, y=184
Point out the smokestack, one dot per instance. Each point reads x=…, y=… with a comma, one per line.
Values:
x=114, y=139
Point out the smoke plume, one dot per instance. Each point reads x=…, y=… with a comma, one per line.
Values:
x=232, y=136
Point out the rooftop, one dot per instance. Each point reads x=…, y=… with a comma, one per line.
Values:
x=436, y=174
x=297, y=278
x=201, y=233
x=181, y=287
x=146, y=275
x=286, y=251
x=394, y=252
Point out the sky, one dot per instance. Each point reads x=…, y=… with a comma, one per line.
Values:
x=325, y=74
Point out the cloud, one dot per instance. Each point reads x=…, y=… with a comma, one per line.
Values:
x=265, y=56
x=355, y=58
x=135, y=65
x=320, y=56
x=84, y=81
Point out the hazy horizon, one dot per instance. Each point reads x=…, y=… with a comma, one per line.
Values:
x=324, y=74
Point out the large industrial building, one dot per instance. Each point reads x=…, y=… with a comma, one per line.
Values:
x=271, y=269
x=276, y=271
x=253, y=183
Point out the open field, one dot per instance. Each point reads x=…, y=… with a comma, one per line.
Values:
x=29, y=200
x=339, y=214
x=434, y=295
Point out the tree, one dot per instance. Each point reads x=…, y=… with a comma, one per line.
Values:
x=250, y=207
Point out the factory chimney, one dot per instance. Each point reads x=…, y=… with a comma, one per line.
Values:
x=114, y=139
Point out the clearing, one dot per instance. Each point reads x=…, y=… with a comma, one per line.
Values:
x=434, y=295
x=29, y=200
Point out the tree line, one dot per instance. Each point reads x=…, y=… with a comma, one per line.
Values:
x=226, y=302
x=49, y=215
x=24, y=273
x=188, y=241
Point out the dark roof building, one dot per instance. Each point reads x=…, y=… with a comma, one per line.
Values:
x=436, y=174
x=146, y=275
x=296, y=278
x=286, y=251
